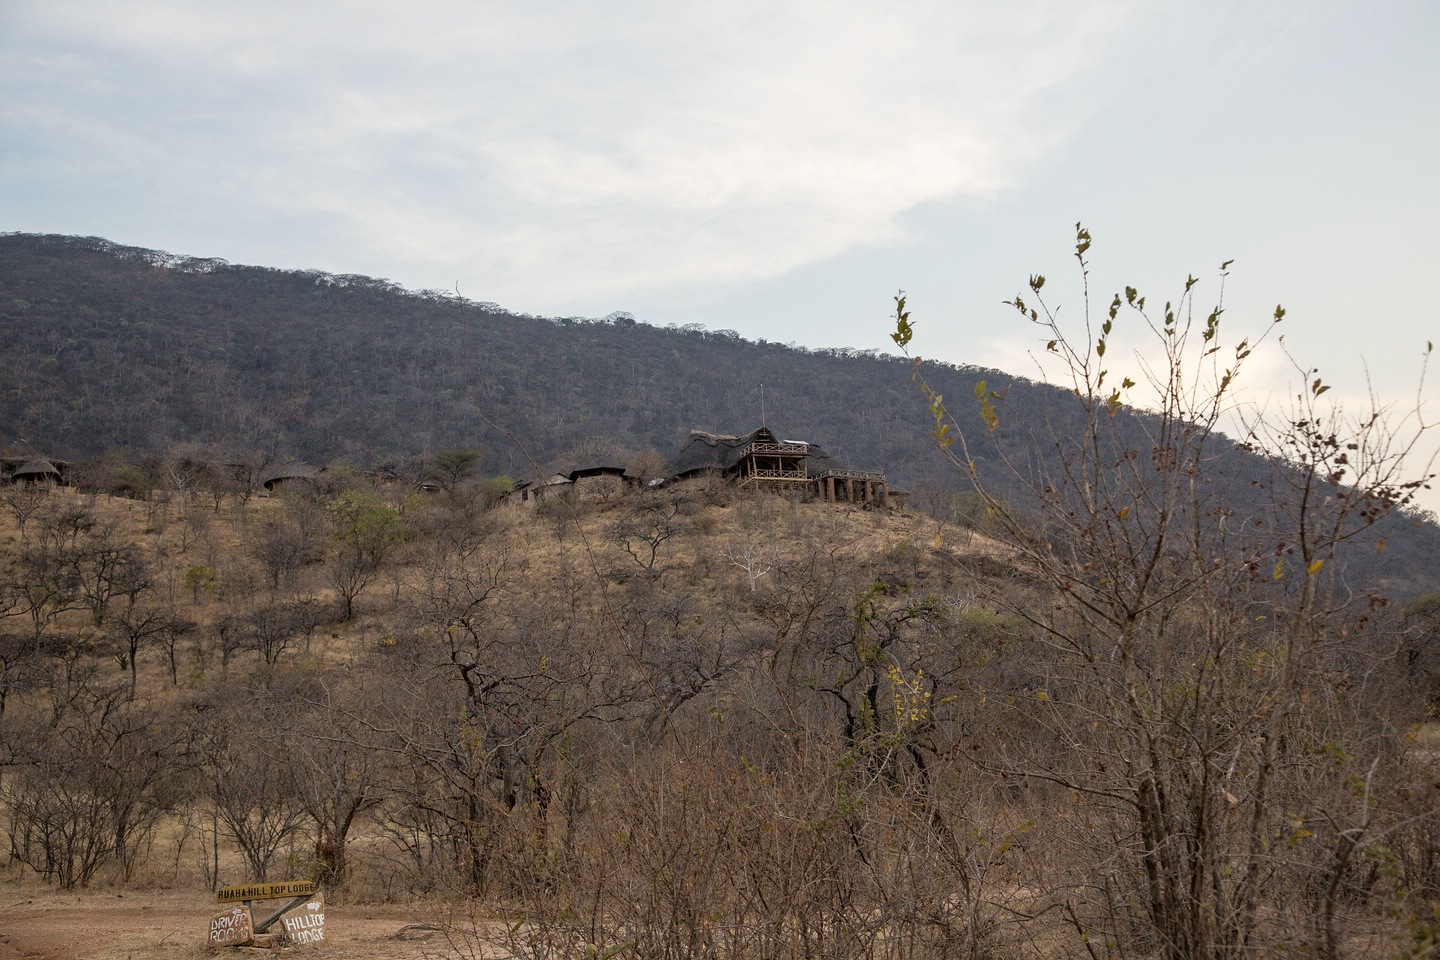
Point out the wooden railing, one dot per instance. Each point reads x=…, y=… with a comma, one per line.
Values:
x=791, y=449
x=776, y=475
x=851, y=475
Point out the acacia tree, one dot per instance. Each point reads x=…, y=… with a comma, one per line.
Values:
x=1189, y=633
x=451, y=468
x=367, y=531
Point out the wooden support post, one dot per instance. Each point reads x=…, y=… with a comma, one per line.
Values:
x=264, y=925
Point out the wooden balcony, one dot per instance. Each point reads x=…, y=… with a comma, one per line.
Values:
x=779, y=447
x=794, y=476
x=852, y=475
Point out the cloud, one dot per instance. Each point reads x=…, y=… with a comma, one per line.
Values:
x=563, y=152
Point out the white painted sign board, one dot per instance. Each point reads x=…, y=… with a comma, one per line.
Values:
x=231, y=928
x=306, y=923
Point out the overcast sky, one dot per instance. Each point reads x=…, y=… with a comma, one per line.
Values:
x=779, y=169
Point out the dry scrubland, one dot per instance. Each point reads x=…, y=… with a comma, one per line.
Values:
x=684, y=723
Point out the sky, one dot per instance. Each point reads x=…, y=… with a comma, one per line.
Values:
x=777, y=169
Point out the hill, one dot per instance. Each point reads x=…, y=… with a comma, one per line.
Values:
x=118, y=348
x=122, y=347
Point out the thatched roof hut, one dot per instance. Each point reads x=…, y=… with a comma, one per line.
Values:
x=722, y=453
x=288, y=473
x=761, y=459
x=38, y=470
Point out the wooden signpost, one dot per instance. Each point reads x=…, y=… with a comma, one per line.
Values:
x=237, y=926
x=266, y=891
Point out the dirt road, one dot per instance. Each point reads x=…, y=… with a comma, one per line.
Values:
x=37, y=924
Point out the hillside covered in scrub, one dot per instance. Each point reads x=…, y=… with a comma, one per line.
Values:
x=187, y=685
x=692, y=719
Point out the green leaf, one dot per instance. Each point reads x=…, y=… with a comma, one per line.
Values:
x=903, y=330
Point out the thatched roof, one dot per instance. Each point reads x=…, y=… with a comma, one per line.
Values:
x=720, y=452
x=713, y=451
x=600, y=470
x=294, y=470
x=37, y=469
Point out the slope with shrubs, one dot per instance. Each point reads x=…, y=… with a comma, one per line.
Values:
x=685, y=722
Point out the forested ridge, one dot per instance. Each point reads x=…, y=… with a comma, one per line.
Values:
x=121, y=347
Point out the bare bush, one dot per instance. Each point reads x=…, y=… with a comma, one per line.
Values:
x=1193, y=699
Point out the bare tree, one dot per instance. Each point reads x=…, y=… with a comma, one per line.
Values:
x=39, y=585
x=89, y=782
x=340, y=766
x=25, y=501
x=139, y=625
x=645, y=530
x=279, y=545
x=108, y=570
x=1183, y=634
x=253, y=792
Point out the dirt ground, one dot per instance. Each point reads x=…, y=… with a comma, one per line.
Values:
x=40, y=924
